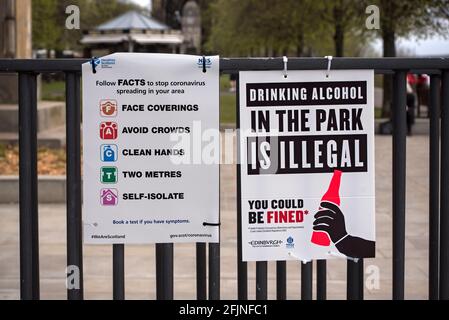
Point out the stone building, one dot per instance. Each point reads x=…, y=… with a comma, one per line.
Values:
x=184, y=15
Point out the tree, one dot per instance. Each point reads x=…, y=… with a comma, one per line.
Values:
x=49, y=18
x=342, y=17
x=403, y=18
x=45, y=28
x=294, y=27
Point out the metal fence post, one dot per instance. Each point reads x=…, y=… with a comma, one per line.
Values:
x=29, y=230
x=306, y=280
x=399, y=156
x=354, y=281
x=281, y=280
x=261, y=280
x=201, y=272
x=164, y=271
x=214, y=271
x=434, y=185
x=242, y=267
x=321, y=279
x=444, y=205
x=118, y=271
x=73, y=194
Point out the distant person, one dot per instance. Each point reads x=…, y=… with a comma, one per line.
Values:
x=233, y=82
x=422, y=91
x=411, y=100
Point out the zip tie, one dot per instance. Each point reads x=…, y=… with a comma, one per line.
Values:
x=304, y=261
x=94, y=62
x=209, y=224
x=329, y=62
x=204, y=64
x=342, y=256
x=93, y=224
x=285, y=59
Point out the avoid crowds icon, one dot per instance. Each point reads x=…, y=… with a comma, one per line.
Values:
x=108, y=130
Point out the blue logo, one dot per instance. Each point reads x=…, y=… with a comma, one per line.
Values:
x=208, y=63
x=107, y=63
x=290, y=243
x=108, y=152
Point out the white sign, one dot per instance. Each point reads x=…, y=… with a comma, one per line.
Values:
x=147, y=120
x=307, y=164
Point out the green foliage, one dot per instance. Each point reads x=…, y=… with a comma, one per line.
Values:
x=314, y=27
x=417, y=17
x=277, y=27
x=46, y=31
x=251, y=26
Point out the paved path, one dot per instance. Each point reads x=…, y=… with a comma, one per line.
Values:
x=140, y=263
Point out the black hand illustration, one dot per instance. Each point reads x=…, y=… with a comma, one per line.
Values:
x=332, y=221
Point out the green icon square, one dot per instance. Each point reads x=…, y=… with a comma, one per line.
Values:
x=109, y=175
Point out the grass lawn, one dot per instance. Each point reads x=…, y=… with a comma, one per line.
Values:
x=227, y=108
x=53, y=91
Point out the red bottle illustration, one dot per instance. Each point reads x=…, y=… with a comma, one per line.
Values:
x=332, y=195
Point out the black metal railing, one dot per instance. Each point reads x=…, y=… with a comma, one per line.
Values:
x=437, y=68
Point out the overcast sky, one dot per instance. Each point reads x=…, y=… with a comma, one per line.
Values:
x=432, y=46
x=143, y=3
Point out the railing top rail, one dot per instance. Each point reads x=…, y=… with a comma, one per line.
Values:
x=230, y=65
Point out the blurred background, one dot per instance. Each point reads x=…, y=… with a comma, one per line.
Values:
x=42, y=29
x=248, y=28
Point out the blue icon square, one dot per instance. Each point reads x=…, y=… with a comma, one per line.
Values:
x=108, y=152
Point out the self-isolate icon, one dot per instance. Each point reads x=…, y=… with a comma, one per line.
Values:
x=108, y=130
x=109, y=197
x=108, y=108
x=108, y=175
x=108, y=152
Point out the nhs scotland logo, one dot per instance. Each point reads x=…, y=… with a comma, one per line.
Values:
x=107, y=63
x=208, y=62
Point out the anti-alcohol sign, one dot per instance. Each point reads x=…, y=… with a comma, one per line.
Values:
x=307, y=164
x=151, y=149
